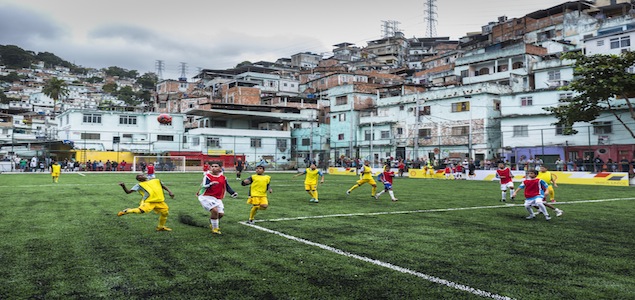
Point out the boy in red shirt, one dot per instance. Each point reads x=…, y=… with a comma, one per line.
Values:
x=534, y=194
x=506, y=179
x=386, y=178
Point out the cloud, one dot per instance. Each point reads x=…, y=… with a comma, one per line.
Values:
x=25, y=28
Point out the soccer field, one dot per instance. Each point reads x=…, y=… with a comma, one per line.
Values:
x=443, y=239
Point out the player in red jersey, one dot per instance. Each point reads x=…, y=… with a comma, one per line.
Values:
x=507, y=181
x=448, y=171
x=211, y=195
x=386, y=178
x=534, y=194
x=150, y=171
x=458, y=171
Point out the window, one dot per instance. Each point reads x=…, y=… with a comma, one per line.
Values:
x=256, y=143
x=565, y=96
x=128, y=120
x=497, y=105
x=213, y=142
x=424, y=110
x=554, y=75
x=425, y=132
x=460, y=130
x=399, y=130
x=367, y=135
x=600, y=43
x=219, y=123
x=340, y=137
x=281, y=144
x=92, y=118
x=562, y=130
x=306, y=142
x=602, y=127
x=163, y=105
x=296, y=126
x=165, y=138
x=465, y=73
x=402, y=107
x=385, y=134
x=526, y=101
x=621, y=42
x=521, y=130
x=127, y=135
x=342, y=117
x=196, y=141
x=341, y=100
x=460, y=106
x=90, y=136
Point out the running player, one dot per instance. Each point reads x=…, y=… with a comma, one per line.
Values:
x=311, y=181
x=386, y=178
x=534, y=194
x=506, y=180
x=366, y=176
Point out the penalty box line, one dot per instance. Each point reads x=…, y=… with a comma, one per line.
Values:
x=427, y=277
x=431, y=210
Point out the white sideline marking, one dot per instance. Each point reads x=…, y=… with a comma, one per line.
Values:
x=427, y=277
x=81, y=174
x=430, y=278
x=436, y=210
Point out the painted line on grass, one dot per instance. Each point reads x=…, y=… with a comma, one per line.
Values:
x=427, y=277
x=434, y=210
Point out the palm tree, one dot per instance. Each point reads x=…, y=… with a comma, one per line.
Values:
x=55, y=88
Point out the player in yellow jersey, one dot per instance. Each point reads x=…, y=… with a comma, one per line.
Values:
x=365, y=176
x=56, y=169
x=260, y=185
x=550, y=179
x=152, y=199
x=311, y=181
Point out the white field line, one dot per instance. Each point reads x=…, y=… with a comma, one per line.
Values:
x=430, y=278
x=435, y=210
x=427, y=277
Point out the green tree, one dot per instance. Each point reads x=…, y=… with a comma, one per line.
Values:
x=3, y=98
x=244, y=63
x=148, y=81
x=602, y=83
x=55, y=88
x=12, y=77
x=15, y=57
x=95, y=80
x=109, y=88
x=127, y=95
x=144, y=96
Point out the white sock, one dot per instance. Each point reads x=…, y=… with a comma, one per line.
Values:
x=543, y=209
x=392, y=195
x=214, y=223
x=379, y=194
x=503, y=194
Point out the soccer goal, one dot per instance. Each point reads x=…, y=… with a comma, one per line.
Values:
x=161, y=163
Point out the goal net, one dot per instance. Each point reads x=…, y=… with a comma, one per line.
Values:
x=161, y=163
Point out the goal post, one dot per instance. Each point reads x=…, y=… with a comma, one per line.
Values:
x=161, y=163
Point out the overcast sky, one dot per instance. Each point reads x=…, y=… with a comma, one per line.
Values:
x=135, y=34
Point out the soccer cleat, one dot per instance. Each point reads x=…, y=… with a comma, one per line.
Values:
x=237, y=178
x=376, y=197
x=558, y=212
x=547, y=218
x=503, y=200
x=250, y=222
x=216, y=231
x=312, y=200
x=121, y=213
x=394, y=199
x=530, y=217
x=348, y=192
x=163, y=228
x=316, y=201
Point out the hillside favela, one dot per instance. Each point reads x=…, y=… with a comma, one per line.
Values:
x=498, y=94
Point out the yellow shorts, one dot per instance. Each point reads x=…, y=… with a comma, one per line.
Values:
x=369, y=181
x=55, y=174
x=310, y=187
x=158, y=207
x=257, y=200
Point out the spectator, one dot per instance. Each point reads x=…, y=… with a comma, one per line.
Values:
x=624, y=165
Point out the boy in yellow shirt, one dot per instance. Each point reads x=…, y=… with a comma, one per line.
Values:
x=260, y=185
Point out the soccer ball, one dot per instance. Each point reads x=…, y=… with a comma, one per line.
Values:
x=164, y=119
